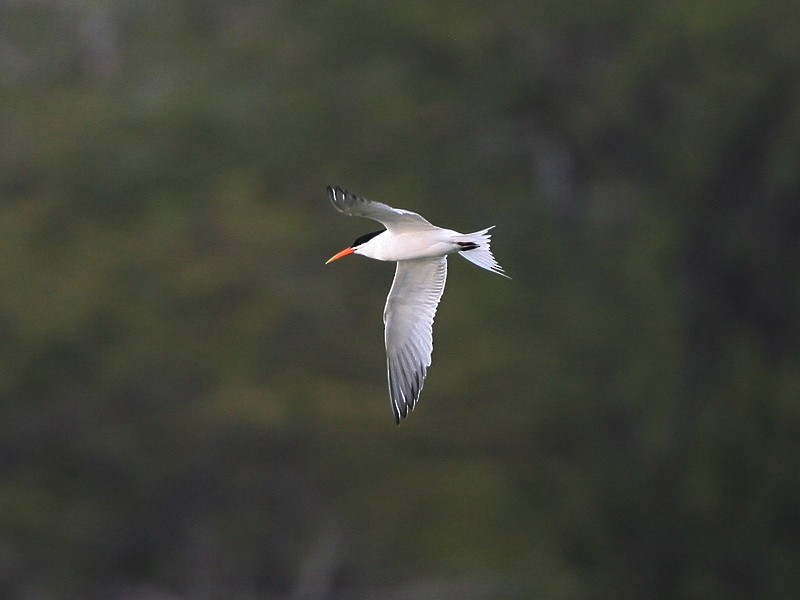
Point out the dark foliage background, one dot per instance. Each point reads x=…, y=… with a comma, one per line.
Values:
x=192, y=406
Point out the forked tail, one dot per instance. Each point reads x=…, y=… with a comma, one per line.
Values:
x=478, y=252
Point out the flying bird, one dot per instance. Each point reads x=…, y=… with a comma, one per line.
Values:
x=420, y=250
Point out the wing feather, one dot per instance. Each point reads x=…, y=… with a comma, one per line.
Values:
x=408, y=318
x=394, y=219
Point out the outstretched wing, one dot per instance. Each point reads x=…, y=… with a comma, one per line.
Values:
x=394, y=219
x=408, y=317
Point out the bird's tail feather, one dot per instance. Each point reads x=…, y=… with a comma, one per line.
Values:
x=480, y=253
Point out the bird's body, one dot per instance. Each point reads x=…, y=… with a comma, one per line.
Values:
x=411, y=245
x=420, y=250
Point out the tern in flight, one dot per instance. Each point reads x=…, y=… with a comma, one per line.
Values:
x=420, y=250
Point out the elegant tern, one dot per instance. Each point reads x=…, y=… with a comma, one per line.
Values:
x=420, y=250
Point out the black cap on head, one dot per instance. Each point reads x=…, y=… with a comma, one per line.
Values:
x=365, y=238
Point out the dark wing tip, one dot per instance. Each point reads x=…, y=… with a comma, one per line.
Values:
x=403, y=404
x=334, y=191
x=401, y=412
x=342, y=199
x=336, y=195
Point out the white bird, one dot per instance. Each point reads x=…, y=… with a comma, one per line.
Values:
x=420, y=250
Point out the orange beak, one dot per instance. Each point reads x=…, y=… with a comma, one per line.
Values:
x=341, y=254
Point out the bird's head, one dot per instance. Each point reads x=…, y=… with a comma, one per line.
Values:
x=355, y=246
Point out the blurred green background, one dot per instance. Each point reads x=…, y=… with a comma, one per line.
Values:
x=193, y=407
